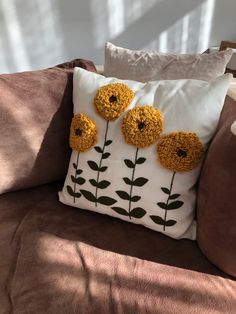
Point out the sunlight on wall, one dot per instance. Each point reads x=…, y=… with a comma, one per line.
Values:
x=190, y=34
x=115, y=17
x=14, y=35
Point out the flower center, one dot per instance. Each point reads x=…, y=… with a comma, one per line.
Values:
x=78, y=132
x=141, y=125
x=112, y=98
x=181, y=153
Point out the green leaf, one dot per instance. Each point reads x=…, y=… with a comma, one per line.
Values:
x=137, y=212
x=140, y=181
x=135, y=198
x=170, y=223
x=129, y=163
x=158, y=220
x=108, y=142
x=165, y=190
x=79, y=171
x=175, y=205
x=89, y=196
x=102, y=169
x=128, y=181
x=105, y=155
x=93, y=165
x=93, y=182
x=78, y=180
x=162, y=205
x=174, y=196
x=120, y=211
x=103, y=184
x=74, y=165
x=105, y=200
x=140, y=160
x=98, y=149
x=123, y=195
x=71, y=192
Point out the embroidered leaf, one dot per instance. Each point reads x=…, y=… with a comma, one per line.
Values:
x=102, y=169
x=105, y=155
x=128, y=181
x=140, y=181
x=105, y=200
x=103, y=184
x=98, y=149
x=158, y=220
x=120, y=211
x=89, y=196
x=124, y=195
x=175, y=205
x=170, y=223
x=174, y=196
x=74, y=165
x=162, y=205
x=93, y=182
x=140, y=160
x=93, y=165
x=165, y=190
x=108, y=142
x=135, y=198
x=79, y=171
x=137, y=212
x=78, y=180
x=71, y=192
x=129, y=163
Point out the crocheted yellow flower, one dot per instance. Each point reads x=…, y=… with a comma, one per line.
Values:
x=142, y=126
x=180, y=151
x=112, y=99
x=83, y=133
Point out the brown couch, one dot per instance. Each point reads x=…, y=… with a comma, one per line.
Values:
x=58, y=259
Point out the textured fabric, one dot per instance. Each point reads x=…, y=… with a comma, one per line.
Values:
x=35, y=113
x=146, y=66
x=121, y=180
x=216, y=197
x=57, y=259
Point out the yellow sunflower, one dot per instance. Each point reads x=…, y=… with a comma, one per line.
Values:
x=112, y=99
x=142, y=126
x=83, y=133
x=180, y=151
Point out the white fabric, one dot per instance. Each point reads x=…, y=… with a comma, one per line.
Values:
x=144, y=66
x=187, y=105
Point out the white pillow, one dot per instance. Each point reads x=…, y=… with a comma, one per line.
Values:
x=144, y=66
x=150, y=191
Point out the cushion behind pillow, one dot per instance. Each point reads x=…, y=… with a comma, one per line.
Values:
x=35, y=113
x=216, y=212
x=146, y=66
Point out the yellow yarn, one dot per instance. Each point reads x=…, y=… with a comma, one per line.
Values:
x=112, y=99
x=142, y=126
x=180, y=151
x=83, y=133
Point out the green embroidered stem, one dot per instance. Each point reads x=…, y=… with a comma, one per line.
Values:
x=167, y=202
x=77, y=162
x=131, y=186
x=100, y=163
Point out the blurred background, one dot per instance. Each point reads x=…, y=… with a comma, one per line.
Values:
x=39, y=33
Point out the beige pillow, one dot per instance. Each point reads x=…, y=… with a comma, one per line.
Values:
x=146, y=66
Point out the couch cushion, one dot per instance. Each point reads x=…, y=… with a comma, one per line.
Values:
x=35, y=112
x=216, y=208
x=143, y=66
x=58, y=259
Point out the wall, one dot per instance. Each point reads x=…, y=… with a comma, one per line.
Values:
x=41, y=33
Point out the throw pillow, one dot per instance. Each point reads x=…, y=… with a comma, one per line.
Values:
x=216, y=233
x=35, y=111
x=137, y=148
x=146, y=66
